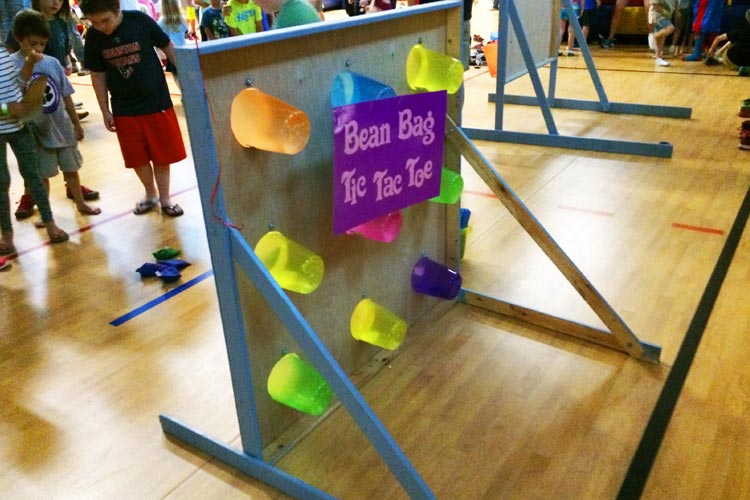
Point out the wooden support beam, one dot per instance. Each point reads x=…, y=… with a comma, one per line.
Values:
x=561, y=325
x=629, y=342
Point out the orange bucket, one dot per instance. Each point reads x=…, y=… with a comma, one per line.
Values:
x=490, y=55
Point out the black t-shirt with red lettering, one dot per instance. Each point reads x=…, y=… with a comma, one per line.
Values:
x=135, y=78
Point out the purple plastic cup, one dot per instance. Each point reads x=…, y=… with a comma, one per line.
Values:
x=433, y=278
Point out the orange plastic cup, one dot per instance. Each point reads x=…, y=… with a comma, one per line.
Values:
x=261, y=121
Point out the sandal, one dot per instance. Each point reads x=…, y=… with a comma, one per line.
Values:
x=145, y=206
x=60, y=237
x=172, y=210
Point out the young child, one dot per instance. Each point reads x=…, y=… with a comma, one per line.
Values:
x=735, y=46
x=57, y=129
x=213, y=22
x=120, y=54
x=586, y=17
x=57, y=13
x=243, y=17
x=190, y=18
x=660, y=14
x=19, y=137
x=174, y=25
x=290, y=12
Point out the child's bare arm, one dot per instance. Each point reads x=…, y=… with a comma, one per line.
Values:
x=169, y=52
x=70, y=108
x=17, y=109
x=29, y=61
x=99, y=82
x=719, y=39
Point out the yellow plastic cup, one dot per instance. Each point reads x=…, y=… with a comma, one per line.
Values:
x=294, y=267
x=432, y=71
x=376, y=325
x=296, y=383
x=261, y=121
x=464, y=235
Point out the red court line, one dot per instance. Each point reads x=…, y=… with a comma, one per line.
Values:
x=587, y=210
x=480, y=193
x=88, y=227
x=699, y=229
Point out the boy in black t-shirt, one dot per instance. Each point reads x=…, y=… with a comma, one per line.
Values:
x=119, y=52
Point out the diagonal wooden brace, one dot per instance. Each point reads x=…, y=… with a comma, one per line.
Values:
x=623, y=335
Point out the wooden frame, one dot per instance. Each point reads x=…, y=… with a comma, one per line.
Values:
x=509, y=16
x=619, y=337
x=259, y=190
x=245, y=191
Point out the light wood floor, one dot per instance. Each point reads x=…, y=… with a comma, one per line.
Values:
x=485, y=407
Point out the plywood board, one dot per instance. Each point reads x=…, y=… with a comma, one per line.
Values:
x=294, y=194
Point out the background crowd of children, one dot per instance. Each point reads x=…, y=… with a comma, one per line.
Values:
x=48, y=41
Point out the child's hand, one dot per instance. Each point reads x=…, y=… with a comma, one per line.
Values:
x=109, y=121
x=78, y=131
x=33, y=57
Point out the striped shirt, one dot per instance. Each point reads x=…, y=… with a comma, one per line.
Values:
x=9, y=91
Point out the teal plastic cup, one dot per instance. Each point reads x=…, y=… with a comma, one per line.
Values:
x=350, y=88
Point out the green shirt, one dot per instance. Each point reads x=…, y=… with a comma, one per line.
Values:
x=244, y=16
x=295, y=13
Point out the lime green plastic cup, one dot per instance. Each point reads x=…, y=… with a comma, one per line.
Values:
x=294, y=267
x=451, y=187
x=433, y=71
x=376, y=325
x=296, y=383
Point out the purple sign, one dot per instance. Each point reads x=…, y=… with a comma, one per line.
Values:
x=388, y=154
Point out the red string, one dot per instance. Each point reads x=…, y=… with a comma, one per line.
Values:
x=221, y=220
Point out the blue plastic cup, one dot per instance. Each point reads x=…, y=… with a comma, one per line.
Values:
x=463, y=218
x=350, y=88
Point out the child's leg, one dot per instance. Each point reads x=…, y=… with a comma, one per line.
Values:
x=697, y=49
x=571, y=38
x=162, y=175
x=161, y=172
x=6, y=226
x=73, y=181
x=22, y=144
x=146, y=176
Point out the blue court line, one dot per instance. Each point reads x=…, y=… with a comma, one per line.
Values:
x=150, y=305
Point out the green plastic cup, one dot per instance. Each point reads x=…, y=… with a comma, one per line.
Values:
x=451, y=187
x=296, y=383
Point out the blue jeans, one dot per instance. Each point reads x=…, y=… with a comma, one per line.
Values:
x=24, y=148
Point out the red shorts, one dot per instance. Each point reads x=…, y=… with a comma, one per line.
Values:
x=154, y=138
